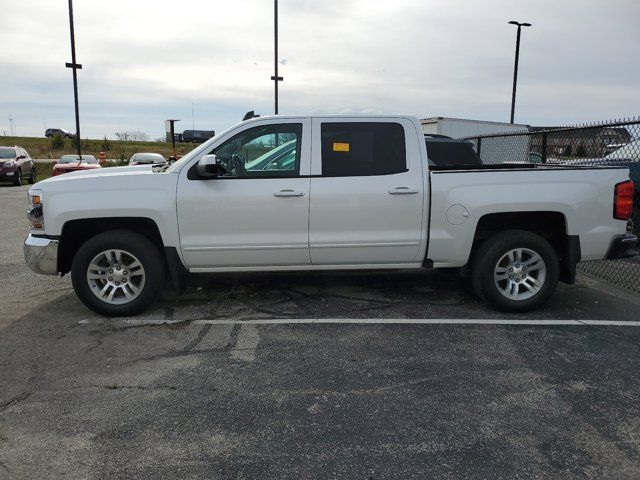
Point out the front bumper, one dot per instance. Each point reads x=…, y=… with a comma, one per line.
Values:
x=623, y=246
x=7, y=176
x=41, y=255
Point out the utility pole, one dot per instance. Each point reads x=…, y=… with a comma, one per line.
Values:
x=169, y=126
x=75, y=66
x=275, y=77
x=515, y=66
x=11, y=125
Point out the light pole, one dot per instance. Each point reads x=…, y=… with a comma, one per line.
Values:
x=275, y=77
x=75, y=66
x=515, y=67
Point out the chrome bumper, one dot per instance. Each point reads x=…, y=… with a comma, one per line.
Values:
x=41, y=254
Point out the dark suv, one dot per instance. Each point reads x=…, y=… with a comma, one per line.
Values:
x=16, y=165
x=197, y=136
x=52, y=132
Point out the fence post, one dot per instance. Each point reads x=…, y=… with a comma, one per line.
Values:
x=544, y=147
x=478, y=146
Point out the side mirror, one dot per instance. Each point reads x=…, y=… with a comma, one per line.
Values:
x=55, y=161
x=208, y=167
x=21, y=157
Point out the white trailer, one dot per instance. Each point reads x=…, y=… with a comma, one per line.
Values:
x=493, y=150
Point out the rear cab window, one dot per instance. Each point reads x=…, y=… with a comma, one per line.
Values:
x=362, y=149
x=451, y=153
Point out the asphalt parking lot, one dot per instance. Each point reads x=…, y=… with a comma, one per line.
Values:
x=232, y=380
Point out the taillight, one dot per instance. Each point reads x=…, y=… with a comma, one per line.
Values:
x=623, y=200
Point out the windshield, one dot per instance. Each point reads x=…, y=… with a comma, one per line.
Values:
x=74, y=159
x=631, y=151
x=7, y=152
x=199, y=150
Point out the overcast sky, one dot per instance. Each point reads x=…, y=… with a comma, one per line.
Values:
x=147, y=60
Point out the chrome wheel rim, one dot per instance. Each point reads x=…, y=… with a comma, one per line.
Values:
x=116, y=276
x=520, y=274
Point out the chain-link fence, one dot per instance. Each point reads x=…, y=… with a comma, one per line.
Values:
x=611, y=143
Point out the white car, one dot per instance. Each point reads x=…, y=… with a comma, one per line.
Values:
x=325, y=193
x=147, y=159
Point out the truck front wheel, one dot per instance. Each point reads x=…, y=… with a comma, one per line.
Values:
x=515, y=271
x=118, y=273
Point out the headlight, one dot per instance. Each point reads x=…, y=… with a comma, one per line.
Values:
x=35, y=211
x=9, y=164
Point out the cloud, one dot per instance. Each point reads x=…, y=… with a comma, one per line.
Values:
x=145, y=61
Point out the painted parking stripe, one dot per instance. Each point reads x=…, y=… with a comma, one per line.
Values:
x=381, y=321
x=422, y=321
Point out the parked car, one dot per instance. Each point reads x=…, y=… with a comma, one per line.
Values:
x=52, y=132
x=535, y=157
x=16, y=165
x=197, y=136
x=73, y=163
x=365, y=197
x=147, y=159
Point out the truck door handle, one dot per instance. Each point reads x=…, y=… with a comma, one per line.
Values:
x=288, y=193
x=403, y=191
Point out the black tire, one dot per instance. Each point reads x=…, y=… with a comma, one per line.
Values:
x=492, y=250
x=139, y=246
x=32, y=178
x=17, y=181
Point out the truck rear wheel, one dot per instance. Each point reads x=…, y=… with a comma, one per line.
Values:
x=515, y=271
x=118, y=273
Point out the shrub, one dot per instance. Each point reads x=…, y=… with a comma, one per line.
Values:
x=121, y=160
x=581, y=151
x=57, y=142
x=106, y=144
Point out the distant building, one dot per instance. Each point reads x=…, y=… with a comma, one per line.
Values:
x=465, y=128
x=492, y=150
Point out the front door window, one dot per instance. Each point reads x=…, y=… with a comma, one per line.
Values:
x=265, y=151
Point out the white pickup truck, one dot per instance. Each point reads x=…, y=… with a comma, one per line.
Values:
x=325, y=193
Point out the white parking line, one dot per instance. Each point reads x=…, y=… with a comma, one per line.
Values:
x=422, y=321
x=386, y=321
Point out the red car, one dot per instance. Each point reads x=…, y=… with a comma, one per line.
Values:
x=72, y=163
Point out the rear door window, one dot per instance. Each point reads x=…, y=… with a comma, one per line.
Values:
x=362, y=149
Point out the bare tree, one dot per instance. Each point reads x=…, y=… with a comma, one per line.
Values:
x=133, y=136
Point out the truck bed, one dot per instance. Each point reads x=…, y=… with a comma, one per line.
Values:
x=517, y=166
x=460, y=198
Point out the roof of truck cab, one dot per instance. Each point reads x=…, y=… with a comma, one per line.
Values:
x=469, y=120
x=327, y=115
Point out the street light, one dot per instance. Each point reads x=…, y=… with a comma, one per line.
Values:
x=75, y=66
x=515, y=67
x=275, y=77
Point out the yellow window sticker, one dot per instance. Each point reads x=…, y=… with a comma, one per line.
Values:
x=340, y=147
